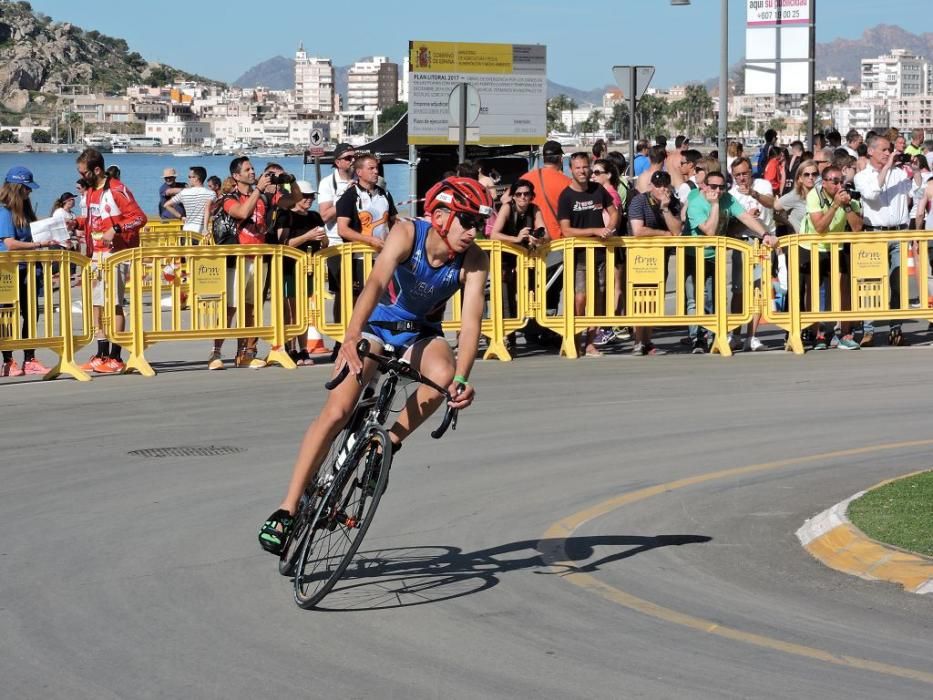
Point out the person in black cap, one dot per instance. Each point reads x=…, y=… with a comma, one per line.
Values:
x=654, y=213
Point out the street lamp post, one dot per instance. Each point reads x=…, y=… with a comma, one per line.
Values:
x=723, y=77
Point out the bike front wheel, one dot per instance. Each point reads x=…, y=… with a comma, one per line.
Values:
x=343, y=515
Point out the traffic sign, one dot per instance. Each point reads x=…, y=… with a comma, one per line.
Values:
x=316, y=137
x=623, y=76
x=455, y=103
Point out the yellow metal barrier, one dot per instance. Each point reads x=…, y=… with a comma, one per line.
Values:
x=863, y=293
x=20, y=301
x=220, y=278
x=163, y=238
x=646, y=283
x=496, y=326
x=499, y=322
x=348, y=256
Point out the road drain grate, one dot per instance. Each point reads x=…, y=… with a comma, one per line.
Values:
x=212, y=451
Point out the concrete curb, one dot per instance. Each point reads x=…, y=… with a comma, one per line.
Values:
x=833, y=540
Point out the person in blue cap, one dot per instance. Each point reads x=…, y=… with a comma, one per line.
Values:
x=16, y=213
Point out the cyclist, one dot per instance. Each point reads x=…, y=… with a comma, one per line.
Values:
x=422, y=265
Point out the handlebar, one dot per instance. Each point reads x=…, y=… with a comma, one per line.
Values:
x=387, y=364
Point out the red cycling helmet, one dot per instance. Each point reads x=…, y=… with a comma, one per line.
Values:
x=459, y=194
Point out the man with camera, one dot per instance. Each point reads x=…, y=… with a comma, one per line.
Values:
x=885, y=189
x=832, y=207
x=247, y=207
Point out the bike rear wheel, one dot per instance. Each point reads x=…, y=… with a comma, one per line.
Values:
x=343, y=516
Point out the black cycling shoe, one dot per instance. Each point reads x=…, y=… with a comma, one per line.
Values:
x=275, y=531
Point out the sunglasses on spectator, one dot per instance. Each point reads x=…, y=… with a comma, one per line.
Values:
x=808, y=174
x=473, y=221
x=349, y=156
x=523, y=193
x=599, y=172
x=721, y=188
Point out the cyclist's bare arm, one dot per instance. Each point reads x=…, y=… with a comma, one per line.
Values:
x=475, y=271
x=397, y=248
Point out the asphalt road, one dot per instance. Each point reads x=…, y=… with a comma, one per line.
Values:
x=493, y=573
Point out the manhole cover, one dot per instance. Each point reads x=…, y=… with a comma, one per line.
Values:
x=212, y=451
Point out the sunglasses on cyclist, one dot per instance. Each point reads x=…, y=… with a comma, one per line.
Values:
x=473, y=221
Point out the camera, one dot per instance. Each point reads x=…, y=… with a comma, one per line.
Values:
x=281, y=178
x=539, y=232
x=853, y=193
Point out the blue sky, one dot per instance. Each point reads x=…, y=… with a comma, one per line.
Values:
x=222, y=39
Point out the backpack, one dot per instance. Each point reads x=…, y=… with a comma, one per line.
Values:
x=225, y=229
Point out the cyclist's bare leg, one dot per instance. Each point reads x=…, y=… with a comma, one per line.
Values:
x=321, y=433
x=435, y=360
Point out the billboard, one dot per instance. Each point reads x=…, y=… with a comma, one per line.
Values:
x=507, y=92
x=777, y=46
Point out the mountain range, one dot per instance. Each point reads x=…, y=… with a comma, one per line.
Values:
x=38, y=55
x=839, y=57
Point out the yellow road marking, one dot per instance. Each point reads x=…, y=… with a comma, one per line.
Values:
x=556, y=555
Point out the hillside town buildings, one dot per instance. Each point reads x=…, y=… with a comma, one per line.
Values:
x=895, y=89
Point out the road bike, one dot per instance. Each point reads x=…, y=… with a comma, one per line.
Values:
x=338, y=506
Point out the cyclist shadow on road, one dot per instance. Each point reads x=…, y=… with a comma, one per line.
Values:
x=406, y=576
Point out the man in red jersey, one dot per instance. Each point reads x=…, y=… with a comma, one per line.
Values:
x=111, y=223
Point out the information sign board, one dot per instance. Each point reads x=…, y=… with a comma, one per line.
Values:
x=510, y=81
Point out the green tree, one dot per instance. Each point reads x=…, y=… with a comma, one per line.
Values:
x=650, y=116
x=41, y=136
x=390, y=115
x=619, y=119
x=825, y=100
x=592, y=122
x=555, y=108
x=6, y=136
x=778, y=124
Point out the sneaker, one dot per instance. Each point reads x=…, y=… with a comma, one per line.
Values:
x=33, y=366
x=868, y=339
x=639, y=349
x=820, y=343
x=10, y=369
x=896, y=338
x=215, y=361
x=834, y=342
x=92, y=364
x=110, y=366
x=753, y=344
x=621, y=333
x=249, y=360
x=602, y=337
x=847, y=342
x=699, y=346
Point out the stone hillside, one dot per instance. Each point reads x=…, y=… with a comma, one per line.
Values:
x=37, y=55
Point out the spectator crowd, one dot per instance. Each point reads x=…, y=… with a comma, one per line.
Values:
x=870, y=182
